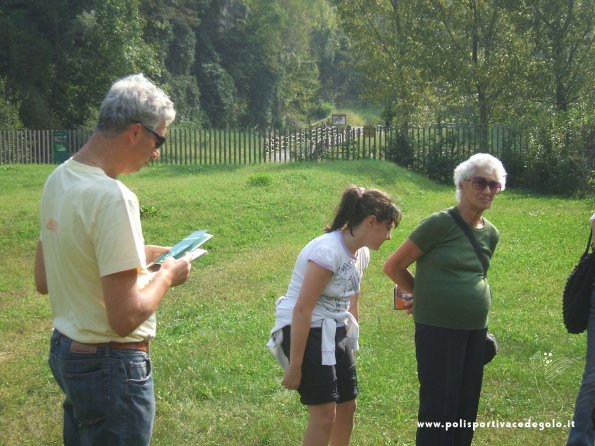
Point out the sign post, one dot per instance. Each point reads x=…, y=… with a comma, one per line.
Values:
x=60, y=152
x=339, y=120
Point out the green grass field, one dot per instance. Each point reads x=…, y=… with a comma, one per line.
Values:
x=216, y=383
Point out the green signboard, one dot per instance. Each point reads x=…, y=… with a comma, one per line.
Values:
x=60, y=151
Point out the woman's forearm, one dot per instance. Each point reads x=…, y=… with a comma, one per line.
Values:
x=300, y=328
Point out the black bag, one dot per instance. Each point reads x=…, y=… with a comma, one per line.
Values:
x=491, y=348
x=491, y=345
x=576, y=300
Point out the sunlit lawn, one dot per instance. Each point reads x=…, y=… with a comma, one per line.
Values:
x=216, y=384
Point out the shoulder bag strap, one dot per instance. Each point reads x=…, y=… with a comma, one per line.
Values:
x=467, y=231
x=589, y=242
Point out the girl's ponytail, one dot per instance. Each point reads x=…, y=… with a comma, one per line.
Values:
x=358, y=203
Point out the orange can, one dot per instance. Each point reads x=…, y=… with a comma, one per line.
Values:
x=401, y=298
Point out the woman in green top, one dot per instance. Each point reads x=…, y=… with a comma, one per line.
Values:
x=451, y=303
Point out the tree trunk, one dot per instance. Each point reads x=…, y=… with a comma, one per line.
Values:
x=484, y=117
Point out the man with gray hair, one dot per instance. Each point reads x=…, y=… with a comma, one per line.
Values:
x=92, y=261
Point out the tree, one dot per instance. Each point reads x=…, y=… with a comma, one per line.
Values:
x=219, y=95
x=299, y=83
x=27, y=60
x=249, y=62
x=436, y=55
x=562, y=37
x=477, y=54
x=106, y=43
x=324, y=43
x=172, y=27
x=270, y=58
x=255, y=57
x=380, y=34
x=9, y=110
x=62, y=56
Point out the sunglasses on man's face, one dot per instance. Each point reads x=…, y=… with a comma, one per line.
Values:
x=159, y=140
x=480, y=183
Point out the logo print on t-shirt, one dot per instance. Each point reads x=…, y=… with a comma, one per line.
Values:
x=52, y=225
x=351, y=274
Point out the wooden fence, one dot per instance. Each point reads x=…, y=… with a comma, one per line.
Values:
x=199, y=146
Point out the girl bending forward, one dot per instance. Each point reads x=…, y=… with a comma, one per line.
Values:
x=316, y=330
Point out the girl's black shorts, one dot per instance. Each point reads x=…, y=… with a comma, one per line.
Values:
x=325, y=383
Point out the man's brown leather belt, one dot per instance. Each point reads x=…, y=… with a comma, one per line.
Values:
x=79, y=347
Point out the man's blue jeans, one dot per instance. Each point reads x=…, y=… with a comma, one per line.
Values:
x=109, y=394
x=582, y=434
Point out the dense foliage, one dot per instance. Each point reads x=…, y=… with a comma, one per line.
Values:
x=524, y=63
x=224, y=62
x=477, y=61
x=287, y=63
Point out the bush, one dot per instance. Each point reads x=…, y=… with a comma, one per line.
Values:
x=218, y=96
x=9, y=110
x=560, y=156
x=516, y=169
x=442, y=158
x=321, y=110
x=400, y=150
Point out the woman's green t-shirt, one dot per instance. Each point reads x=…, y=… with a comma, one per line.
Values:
x=450, y=288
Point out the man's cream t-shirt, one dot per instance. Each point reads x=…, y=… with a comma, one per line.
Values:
x=90, y=227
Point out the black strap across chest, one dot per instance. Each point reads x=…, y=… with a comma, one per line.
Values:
x=467, y=231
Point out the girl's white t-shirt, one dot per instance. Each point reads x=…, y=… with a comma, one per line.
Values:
x=330, y=252
x=332, y=308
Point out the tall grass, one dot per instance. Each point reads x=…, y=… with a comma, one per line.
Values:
x=216, y=384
